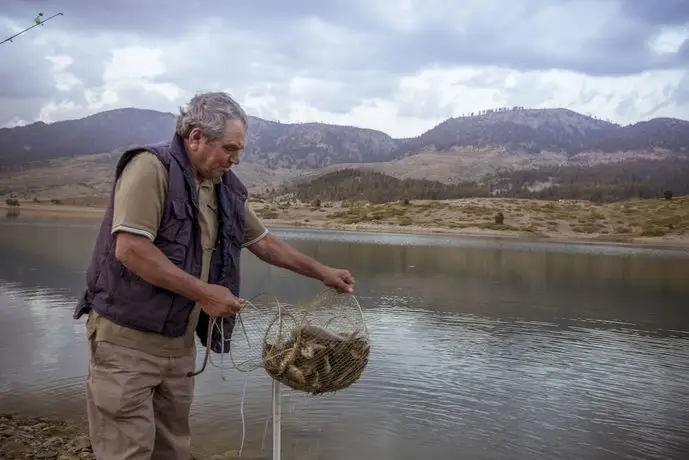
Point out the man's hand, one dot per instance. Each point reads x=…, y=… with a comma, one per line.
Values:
x=338, y=279
x=219, y=301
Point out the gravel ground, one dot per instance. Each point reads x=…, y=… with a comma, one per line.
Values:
x=26, y=437
x=23, y=437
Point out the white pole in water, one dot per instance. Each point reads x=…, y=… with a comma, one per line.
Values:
x=277, y=419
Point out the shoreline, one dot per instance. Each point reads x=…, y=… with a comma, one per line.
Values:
x=43, y=211
x=638, y=242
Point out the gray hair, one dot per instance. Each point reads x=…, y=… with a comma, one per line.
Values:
x=210, y=112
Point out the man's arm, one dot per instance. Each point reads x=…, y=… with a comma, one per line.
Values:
x=271, y=249
x=274, y=251
x=141, y=256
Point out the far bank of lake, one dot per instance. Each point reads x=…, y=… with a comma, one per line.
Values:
x=655, y=222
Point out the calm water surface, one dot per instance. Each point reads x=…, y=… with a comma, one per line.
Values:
x=482, y=349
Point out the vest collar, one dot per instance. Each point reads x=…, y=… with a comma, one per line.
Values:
x=178, y=152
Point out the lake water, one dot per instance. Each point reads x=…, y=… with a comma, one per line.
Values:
x=482, y=349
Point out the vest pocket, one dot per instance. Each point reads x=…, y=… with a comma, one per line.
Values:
x=176, y=253
x=176, y=223
x=234, y=215
x=181, y=218
x=174, y=234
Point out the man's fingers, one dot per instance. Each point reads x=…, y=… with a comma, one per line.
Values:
x=349, y=279
x=340, y=280
x=343, y=286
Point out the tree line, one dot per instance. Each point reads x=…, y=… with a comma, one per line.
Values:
x=376, y=187
x=602, y=183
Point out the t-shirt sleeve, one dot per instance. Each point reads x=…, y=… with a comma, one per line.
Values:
x=140, y=196
x=254, y=230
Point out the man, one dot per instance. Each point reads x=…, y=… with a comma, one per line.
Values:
x=166, y=260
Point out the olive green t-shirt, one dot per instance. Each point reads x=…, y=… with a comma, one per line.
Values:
x=138, y=207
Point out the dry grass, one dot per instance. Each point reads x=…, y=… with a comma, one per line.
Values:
x=623, y=221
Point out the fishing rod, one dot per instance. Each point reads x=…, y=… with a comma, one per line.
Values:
x=38, y=22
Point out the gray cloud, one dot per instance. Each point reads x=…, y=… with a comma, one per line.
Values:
x=661, y=13
x=683, y=53
x=24, y=108
x=496, y=33
x=157, y=18
x=24, y=73
x=350, y=50
x=681, y=94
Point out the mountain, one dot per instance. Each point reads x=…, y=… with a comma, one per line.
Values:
x=516, y=129
x=520, y=130
x=98, y=133
x=659, y=133
x=314, y=145
x=75, y=157
x=276, y=145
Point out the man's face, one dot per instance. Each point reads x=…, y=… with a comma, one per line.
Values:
x=212, y=159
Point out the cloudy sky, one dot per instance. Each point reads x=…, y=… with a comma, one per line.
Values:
x=399, y=66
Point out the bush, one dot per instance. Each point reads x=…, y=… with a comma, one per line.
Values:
x=268, y=214
x=653, y=232
x=500, y=218
x=405, y=220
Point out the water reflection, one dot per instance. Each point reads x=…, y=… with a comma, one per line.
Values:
x=477, y=353
x=12, y=212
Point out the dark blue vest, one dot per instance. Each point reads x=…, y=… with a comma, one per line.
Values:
x=121, y=296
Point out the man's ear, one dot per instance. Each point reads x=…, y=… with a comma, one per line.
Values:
x=195, y=139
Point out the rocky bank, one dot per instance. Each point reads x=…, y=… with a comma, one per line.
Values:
x=25, y=437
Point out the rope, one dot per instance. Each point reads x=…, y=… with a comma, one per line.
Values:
x=241, y=412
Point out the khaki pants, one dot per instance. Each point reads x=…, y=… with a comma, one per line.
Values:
x=138, y=404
